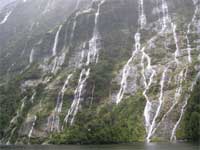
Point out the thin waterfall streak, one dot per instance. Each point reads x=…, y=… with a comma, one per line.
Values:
x=162, y=82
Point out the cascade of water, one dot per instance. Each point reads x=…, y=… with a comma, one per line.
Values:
x=178, y=92
x=31, y=56
x=75, y=21
x=6, y=17
x=92, y=56
x=173, y=136
x=126, y=69
x=77, y=96
x=54, y=120
x=147, y=85
x=61, y=95
x=180, y=79
x=153, y=124
x=94, y=46
x=165, y=12
x=32, y=127
x=142, y=16
x=177, y=52
x=54, y=50
x=189, y=49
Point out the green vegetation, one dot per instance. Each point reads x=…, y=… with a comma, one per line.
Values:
x=108, y=124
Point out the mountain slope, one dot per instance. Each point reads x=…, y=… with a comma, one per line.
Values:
x=113, y=71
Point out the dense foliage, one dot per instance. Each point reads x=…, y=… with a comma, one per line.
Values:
x=110, y=124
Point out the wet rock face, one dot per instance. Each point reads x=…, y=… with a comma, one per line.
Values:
x=115, y=52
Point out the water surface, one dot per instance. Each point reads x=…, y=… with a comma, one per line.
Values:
x=136, y=146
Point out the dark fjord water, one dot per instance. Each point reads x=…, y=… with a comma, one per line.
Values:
x=137, y=146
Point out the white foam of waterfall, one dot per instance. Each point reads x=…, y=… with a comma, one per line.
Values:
x=153, y=124
x=6, y=17
x=147, y=85
x=179, y=82
x=61, y=95
x=173, y=136
x=54, y=50
x=32, y=127
x=54, y=119
x=92, y=56
x=73, y=27
x=166, y=17
x=126, y=69
x=31, y=55
x=189, y=49
x=55, y=61
x=142, y=16
x=94, y=45
x=77, y=96
x=177, y=52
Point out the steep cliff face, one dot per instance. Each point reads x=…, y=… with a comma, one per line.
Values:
x=108, y=71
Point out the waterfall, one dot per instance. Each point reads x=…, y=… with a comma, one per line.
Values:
x=94, y=45
x=92, y=56
x=32, y=127
x=77, y=96
x=165, y=12
x=178, y=92
x=54, y=50
x=126, y=69
x=177, y=52
x=61, y=95
x=6, y=17
x=147, y=85
x=54, y=120
x=142, y=16
x=189, y=49
x=173, y=136
x=73, y=27
x=153, y=124
x=31, y=56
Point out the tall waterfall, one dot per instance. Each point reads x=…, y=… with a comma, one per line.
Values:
x=126, y=70
x=92, y=57
x=54, y=50
x=54, y=120
x=162, y=84
x=142, y=16
x=77, y=96
x=177, y=52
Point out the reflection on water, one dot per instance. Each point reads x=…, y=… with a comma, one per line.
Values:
x=136, y=146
